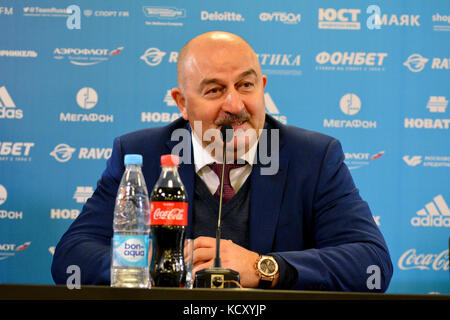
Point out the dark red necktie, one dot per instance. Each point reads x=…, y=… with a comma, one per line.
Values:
x=228, y=191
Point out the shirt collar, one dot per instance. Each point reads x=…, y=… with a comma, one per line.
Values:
x=203, y=158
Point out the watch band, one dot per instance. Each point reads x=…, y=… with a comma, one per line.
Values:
x=266, y=278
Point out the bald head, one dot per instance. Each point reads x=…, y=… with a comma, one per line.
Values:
x=214, y=42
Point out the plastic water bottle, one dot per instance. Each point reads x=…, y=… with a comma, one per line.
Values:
x=130, y=243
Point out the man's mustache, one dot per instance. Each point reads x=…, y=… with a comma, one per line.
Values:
x=229, y=118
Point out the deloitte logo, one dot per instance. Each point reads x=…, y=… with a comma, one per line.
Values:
x=435, y=214
x=350, y=104
x=415, y=62
x=87, y=98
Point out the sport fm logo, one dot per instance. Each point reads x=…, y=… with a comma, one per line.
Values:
x=435, y=214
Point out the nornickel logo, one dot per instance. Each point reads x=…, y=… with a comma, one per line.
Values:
x=435, y=214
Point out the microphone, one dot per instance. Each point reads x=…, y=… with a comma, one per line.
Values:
x=218, y=277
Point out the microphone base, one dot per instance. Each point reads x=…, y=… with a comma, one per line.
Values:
x=217, y=278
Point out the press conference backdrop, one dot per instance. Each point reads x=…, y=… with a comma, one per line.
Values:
x=374, y=74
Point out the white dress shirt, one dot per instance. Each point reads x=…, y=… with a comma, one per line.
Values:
x=237, y=176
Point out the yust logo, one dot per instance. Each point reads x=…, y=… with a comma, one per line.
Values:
x=435, y=214
x=350, y=61
x=436, y=104
x=8, y=108
x=8, y=250
x=85, y=56
x=63, y=153
x=340, y=19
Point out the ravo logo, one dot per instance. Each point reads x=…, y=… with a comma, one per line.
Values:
x=63, y=153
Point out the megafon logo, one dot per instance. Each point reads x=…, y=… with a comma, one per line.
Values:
x=411, y=260
x=8, y=108
x=85, y=57
x=435, y=214
x=415, y=62
x=10, y=249
x=87, y=98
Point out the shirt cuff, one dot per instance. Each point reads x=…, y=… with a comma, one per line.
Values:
x=288, y=274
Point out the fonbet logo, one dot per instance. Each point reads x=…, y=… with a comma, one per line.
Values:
x=283, y=17
x=356, y=160
x=411, y=260
x=8, y=250
x=350, y=61
x=63, y=153
x=350, y=104
x=15, y=151
x=340, y=19
x=435, y=214
x=436, y=104
x=8, y=108
x=85, y=57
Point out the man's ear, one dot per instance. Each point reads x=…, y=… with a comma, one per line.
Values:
x=179, y=99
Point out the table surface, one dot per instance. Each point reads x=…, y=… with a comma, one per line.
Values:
x=55, y=292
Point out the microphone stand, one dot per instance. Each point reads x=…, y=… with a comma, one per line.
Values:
x=218, y=277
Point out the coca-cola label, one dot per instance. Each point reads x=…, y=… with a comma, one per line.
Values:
x=424, y=261
x=168, y=213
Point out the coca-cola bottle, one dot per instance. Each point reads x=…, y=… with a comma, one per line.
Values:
x=168, y=220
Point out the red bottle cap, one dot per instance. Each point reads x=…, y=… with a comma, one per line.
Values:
x=170, y=160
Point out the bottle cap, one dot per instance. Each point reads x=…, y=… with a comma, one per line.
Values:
x=133, y=159
x=170, y=160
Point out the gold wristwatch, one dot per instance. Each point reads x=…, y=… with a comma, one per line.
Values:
x=266, y=268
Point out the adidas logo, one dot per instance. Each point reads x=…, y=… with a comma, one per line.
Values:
x=8, y=108
x=435, y=214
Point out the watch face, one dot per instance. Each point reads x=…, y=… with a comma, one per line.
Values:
x=267, y=266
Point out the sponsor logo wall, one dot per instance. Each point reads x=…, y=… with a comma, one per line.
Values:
x=375, y=76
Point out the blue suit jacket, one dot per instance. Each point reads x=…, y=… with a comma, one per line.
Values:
x=309, y=212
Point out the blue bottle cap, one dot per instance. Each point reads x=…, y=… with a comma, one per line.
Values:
x=133, y=159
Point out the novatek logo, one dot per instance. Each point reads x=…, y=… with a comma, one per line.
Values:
x=340, y=19
x=272, y=109
x=350, y=61
x=8, y=250
x=85, y=56
x=82, y=194
x=221, y=16
x=435, y=105
x=283, y=17
x=63, y=153
x=411, y=260
x=435, y=214
x=64, y=214
x=8, y=108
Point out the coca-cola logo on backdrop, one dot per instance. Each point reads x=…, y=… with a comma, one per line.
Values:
x=411, y=260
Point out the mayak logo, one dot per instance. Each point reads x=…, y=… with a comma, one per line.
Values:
x=153, y=56
x=164, y=13
x=10, y=249
x=63, y=153
x=8, y=108
x=82, y=194
x=85, y=57
x=360, y=159
x=415, y=62
x=435, y=214
x=272, y=109
x=340, y=19
x=411, y=260
x=284, y=17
